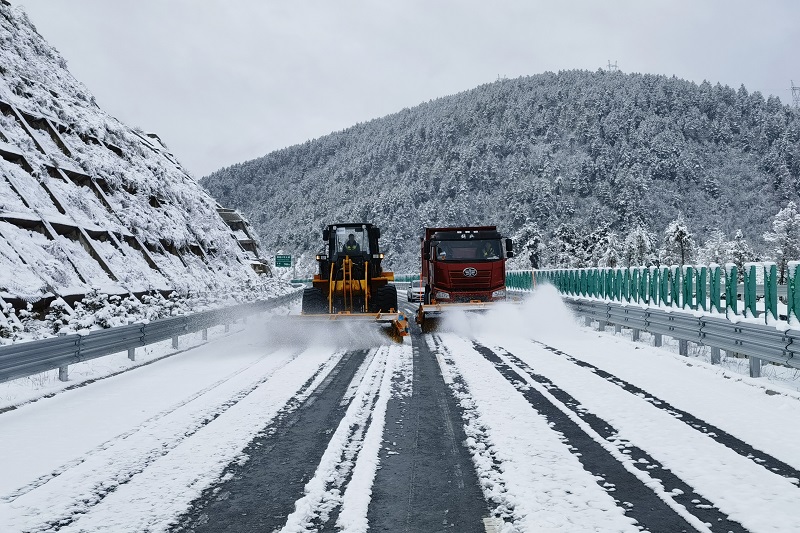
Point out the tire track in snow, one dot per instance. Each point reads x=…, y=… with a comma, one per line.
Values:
x=42, y=480
x=621, y=468
x=478, y=441
x=731, y=442
x=296, y=474
x=109, y=469
x=319, y=509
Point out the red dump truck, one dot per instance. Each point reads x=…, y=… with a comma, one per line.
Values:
x=463, y=268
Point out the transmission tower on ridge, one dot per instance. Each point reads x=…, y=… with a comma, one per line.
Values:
x=612, y=67
x=795, y=95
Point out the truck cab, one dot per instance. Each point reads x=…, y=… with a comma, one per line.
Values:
x=464, y=264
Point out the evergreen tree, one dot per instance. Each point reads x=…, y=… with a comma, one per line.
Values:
x=639, y=248
x=529, y=247
x=785, y=236
x=677, y=245
x=568, y=247
x=741, y=253
x=716, y=249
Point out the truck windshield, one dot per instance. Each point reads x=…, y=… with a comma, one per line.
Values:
x=468, y=250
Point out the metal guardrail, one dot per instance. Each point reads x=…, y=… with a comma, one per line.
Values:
x=29, y=358
x=759, y=342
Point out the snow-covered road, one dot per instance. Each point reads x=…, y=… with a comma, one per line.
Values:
x=517, y=420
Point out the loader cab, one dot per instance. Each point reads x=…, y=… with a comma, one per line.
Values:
x=359, y=242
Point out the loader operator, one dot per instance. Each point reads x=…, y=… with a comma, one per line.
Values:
x=351, y=245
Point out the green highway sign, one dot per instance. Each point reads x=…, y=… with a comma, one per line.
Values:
x=283, y=260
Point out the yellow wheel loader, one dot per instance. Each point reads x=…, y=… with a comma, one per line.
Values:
x=351, y=284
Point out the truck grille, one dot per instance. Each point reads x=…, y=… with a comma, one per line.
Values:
x=483, y=280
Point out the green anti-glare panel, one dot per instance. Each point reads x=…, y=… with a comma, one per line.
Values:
x=770, y=292
x=750, y=310
x=702, y=290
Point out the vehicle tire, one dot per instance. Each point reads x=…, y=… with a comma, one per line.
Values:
x=385, y=299
x=314, y=302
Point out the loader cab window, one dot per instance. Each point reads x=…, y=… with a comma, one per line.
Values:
x=351, y=241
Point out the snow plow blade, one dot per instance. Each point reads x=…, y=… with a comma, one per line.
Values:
x=397, y=322
x=429, y=315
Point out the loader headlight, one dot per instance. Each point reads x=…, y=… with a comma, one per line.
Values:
x=442, y=295
x=321, y=257
x=499, y=294
x=377, y=256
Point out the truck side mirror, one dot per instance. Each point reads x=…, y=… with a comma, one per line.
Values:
x=510, y=253
x=377, y=233
x=326, y=234
x=509, y=246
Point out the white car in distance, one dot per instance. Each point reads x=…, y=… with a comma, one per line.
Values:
x=416, y=292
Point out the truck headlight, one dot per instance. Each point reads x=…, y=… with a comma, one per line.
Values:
x=499, y=294
x=442, y=295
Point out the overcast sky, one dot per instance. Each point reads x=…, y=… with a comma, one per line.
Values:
x=225, y=81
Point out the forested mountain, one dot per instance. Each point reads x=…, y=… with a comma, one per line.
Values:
x=589, y=149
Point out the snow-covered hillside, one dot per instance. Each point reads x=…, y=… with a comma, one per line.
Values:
x=88, y=202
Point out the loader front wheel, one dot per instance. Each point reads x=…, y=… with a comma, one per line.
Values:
x=314, y=302
x=385, y=299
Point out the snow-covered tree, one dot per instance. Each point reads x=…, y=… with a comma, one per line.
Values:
x=785, y=236
x=741, y=252
x=568, y=248
x=528, y=247
x=639, y=248
x=716, y=249
x=609, y=250
x=678, y=245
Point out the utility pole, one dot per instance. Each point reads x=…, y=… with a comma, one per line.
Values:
x=795, y=95
x=612, y=67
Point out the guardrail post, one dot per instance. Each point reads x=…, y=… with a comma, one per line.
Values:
x=63, y=371
x=683, y=347
x=587, y=320
x=715, y=356
x=657, y=340
x=635, y=334
x=175, y=342
x=755, y=367
x=205, y=334
x=132, y=349
x=617, y=328
x=227, y=327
